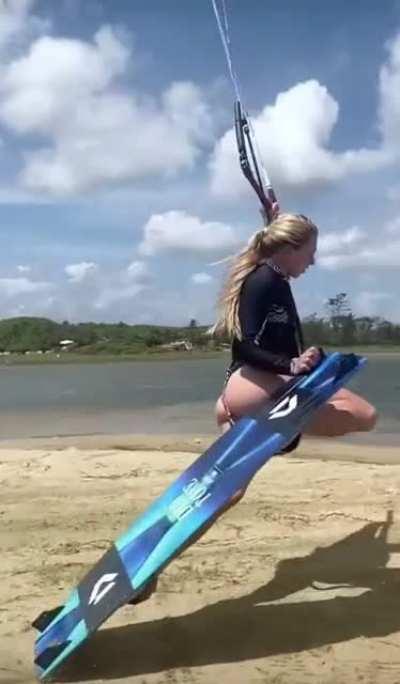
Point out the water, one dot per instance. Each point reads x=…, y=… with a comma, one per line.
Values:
x=150, y=397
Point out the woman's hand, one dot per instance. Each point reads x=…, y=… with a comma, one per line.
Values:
x=306, y=361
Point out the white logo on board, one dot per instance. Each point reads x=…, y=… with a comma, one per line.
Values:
x=102, y=587
x=284, y=408
x=192, y=496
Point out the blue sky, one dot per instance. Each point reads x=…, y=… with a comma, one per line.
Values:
x=119, y=181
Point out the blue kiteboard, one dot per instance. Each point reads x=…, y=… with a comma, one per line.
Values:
x=187, y=507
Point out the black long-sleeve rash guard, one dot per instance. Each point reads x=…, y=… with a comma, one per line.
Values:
x=270, y=325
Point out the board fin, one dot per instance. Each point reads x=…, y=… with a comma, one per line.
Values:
x=44, y=619
x=45, y=659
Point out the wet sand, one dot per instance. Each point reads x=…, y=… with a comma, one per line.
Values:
x=300, y=582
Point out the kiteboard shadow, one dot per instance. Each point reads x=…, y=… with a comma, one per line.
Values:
x=251, y=627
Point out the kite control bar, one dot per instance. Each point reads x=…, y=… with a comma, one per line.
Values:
x=251, y=170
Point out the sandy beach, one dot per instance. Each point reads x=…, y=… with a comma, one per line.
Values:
x=300, y=582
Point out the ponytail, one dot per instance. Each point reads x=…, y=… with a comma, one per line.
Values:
x=286, y=229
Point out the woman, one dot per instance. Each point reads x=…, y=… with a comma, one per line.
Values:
x=259, y=314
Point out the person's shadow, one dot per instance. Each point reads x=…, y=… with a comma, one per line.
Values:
x=250, y=627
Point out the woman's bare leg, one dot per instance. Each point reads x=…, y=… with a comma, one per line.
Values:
x=249, y=388
x=345, y=412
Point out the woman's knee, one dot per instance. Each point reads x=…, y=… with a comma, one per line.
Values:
x=369, y=418
x=365, y=414
x=343, y=414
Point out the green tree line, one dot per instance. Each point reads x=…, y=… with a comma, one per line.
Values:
x=22, y=334
x=341, y=327
x=338, y=328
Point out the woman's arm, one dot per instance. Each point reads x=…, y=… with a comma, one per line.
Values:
x=258, y=292
x=249, y=352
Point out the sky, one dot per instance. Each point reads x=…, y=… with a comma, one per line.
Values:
x=120, y=187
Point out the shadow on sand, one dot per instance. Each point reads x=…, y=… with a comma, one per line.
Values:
x=250, y=627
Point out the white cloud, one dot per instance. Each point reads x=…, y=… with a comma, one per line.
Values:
x=291, y=136
x=77, y=273
x=338, y=242
x=201, y=278
x=110, y=295
x=15, y=195
x=180, y=232
x=389, y=85
x=44, y=305
x=188, y=111
x=43, y=87
x=138, y=271
x=126, y=284
x=393, y=227
x=12, y=287
x=370, y=257
x=393, y=193
x=68, y=92
x=23, y=269
x=14, y=311
x=374, y=303
x=17, y=22
x=294, y=133
x=355, y=248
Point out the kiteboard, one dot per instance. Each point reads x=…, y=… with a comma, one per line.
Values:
x=187, y=507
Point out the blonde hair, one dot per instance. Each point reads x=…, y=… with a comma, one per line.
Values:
x=286, y=229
